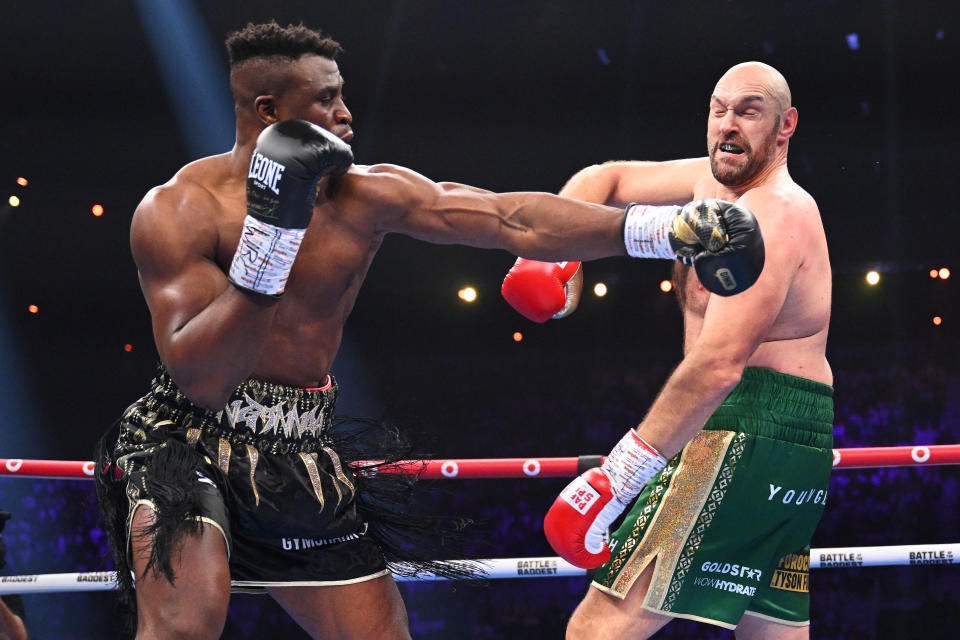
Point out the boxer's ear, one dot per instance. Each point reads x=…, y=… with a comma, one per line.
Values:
x=266, y=108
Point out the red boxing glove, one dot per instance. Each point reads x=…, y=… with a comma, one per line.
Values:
x=576, y=525
x=543, y=290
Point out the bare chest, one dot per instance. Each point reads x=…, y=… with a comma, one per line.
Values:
x=330, y=265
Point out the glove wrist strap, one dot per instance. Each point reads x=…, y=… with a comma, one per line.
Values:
x=646, y=231
x=264, y=257
x=631, y=465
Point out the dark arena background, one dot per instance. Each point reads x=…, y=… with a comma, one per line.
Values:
x=103, y=100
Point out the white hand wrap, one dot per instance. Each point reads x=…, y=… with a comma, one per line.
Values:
x=646, y=229
x=265, y=256
x=630, y=466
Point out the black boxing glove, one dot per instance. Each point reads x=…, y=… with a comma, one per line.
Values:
x=720, y=239
x=287, y=164
x=731, y=254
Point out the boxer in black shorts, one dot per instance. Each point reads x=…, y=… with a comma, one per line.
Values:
x=262, y=472
x=250, y=262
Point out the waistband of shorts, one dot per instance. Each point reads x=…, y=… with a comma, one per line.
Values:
x=272, y=416
x=780, y=406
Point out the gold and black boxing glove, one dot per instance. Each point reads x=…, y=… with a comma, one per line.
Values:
x=723, y=243
x=720, y=239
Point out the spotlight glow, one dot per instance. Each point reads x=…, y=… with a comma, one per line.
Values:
x=33, y=308
x=517, y=336
x=666, y=286
x=944, y=273
x=128, y=348
x=934, y=273
x=22, y=181
x=599, y=289
x=873, y=278
x=937, y=321
x=467, y=294
x=97, y=210
x=14, y=201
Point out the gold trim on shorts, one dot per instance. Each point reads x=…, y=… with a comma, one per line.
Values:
x=254, y=456
x=149, y=503
x=789, y=623
x=257, y=586
x=223, y=455
x=338, y=468
x=310, y=462
x=667, y=534
x=690, y=616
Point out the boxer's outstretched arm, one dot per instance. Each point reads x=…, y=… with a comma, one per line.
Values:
x=198, y=317
x=539, y=226
x=732, y=330
x=618, y=183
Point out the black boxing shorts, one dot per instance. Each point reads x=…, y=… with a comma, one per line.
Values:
x=261, y=471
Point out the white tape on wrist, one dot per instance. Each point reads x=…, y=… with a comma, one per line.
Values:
x=631, y=465
x=265, y=256
x=646, y=231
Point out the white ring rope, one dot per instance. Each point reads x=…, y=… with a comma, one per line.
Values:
x=536, y=567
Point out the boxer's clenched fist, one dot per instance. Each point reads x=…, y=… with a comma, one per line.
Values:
x=577, y=523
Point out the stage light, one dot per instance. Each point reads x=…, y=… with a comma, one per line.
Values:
x=599, y=289
x=517, y=336
x=934, y=273
x=944, y=273
x=33, y=308
x=467, y=294
x=666, y=286
x=97, y=210
x=873, y=278
x=14, y=201
x=22, y=181
x=128, y=348
x=937, y=321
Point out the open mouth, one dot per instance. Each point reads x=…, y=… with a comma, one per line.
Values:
x=729, y=147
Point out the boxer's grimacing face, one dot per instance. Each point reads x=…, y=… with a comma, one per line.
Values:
x=742, y=128
x=315, y=94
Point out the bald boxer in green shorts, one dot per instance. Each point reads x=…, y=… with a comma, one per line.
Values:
x=728, y=472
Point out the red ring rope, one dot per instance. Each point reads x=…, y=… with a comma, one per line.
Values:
x=858, y=458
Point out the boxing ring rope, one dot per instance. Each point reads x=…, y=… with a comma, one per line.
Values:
x=533, y=567
x=477, y=468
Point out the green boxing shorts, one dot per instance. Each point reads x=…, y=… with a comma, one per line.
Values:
x=728, y=521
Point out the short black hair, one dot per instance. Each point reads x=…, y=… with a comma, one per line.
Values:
x=270, y=39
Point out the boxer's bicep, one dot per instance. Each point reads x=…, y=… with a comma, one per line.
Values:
x=670, y=182
x=174, y=259
x=437, y=212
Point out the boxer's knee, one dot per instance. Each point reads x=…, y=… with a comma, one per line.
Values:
x=195, y=610
x=205, y=621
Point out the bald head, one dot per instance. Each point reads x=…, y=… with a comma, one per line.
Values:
x=759, y=76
